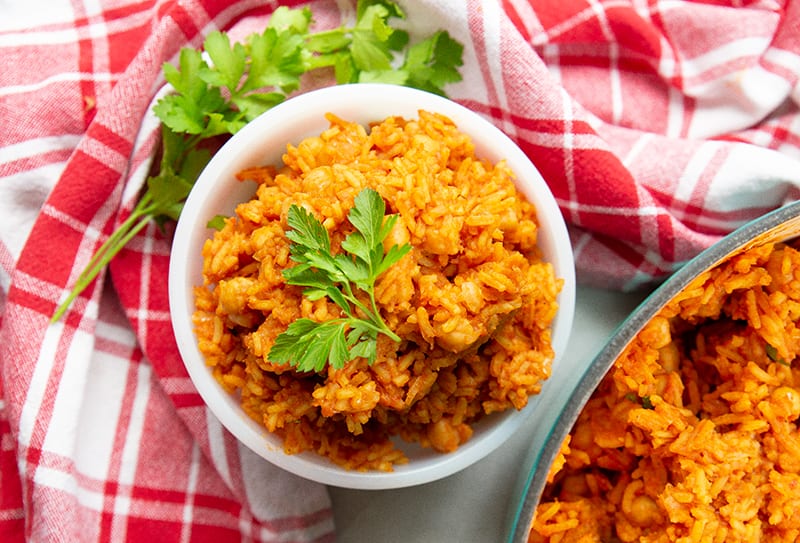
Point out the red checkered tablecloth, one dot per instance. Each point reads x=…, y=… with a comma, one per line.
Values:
x=660, y=126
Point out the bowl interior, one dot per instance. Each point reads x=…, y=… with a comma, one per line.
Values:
x=779, y=225
x=263, y=141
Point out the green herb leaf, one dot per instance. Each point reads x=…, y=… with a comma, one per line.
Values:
x=278, y=60
x=771, y=351
x=773, y=355
x=324, y=274
x=168, y=191
x=186, y=111
x=370, y=46
x=363, y=342
x=329, y=41
x=433, y=63
x=306, y=232
x=390, y=77
x=392, y=256
x=253, y=105
x=299, y=337
x=217, y=222
x=367, y=217
x=229, y=61
x=184, y=80
x=644, y=401
x=296, y=20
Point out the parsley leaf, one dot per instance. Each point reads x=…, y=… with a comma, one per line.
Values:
x=434, y=62
x=644, y=401
x=308, y=345
x=217, y=222
x=229, y=62
x=311, y=344
x=216, y=94
x=773, y=355
x=168, y=190
x=370, y=47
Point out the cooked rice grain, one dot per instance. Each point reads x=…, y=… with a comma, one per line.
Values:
x=473, y=301
x=692, y=436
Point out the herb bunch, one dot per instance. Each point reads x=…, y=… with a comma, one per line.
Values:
x=308, y=345
x=216, y=94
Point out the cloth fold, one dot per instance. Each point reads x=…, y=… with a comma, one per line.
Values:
x=659, y=127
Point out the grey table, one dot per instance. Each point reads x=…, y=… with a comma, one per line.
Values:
x=475, y=504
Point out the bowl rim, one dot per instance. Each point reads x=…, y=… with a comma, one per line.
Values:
x=364, y=99
x=763, y=229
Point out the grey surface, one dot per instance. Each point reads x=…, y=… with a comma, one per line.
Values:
x=477, y=504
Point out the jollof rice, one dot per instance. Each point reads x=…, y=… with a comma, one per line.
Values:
x=692, y=436
x=473, y=301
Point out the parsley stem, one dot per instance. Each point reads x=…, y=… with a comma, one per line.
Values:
x=138, y=219
x=375, y=321
x=384, y=327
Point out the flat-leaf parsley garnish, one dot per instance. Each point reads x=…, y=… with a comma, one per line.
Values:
x=214, y=98
x=308, y=345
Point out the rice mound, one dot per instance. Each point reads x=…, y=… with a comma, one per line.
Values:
x=692, y=436
x=473, y=301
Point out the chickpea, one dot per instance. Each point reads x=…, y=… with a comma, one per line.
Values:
x=786, y=403
x=670, y=357
x=460, y=337
x=582, y=436
x=233, y=294
x=398, y=235
x=444, y=436
x=640, y=509
x=656, y=333
x=472, y=295
x=644, y=511
x=574, y=486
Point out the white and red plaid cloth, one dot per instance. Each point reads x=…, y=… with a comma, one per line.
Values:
x=659, y=125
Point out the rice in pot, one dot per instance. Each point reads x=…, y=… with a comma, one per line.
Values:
x=692, y=436
x=472, y=302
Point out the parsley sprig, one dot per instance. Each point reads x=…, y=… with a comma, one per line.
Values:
x=308, y=345
x=216, y=94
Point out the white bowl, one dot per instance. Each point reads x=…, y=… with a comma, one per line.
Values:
x=264, y=141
